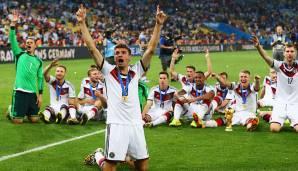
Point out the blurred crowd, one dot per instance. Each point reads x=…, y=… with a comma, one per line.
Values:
x=53, y=22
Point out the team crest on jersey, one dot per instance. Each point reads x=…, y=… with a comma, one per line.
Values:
x=111, y=154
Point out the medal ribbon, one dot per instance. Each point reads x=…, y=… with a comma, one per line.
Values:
x=244, y=94
x=161, y=96
x=124, y=89
x=92, y=92
x=58, y=89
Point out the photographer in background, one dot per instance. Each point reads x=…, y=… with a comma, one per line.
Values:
x=166, y=49
x=278, y=42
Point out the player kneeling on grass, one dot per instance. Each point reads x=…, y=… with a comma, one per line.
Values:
x=286, y=99
x=245, y=103
x=267, y=95
x=223, y=96
x=197, y=105
x=91, y=97
x=62, y=95
x=159, y=105
x=97, y=157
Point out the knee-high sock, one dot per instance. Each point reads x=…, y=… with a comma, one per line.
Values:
x=47, y=113
x=177, y=111
x=160, y=120
x=210, y=123
x=99, y=158
x=92, y=112
x=72, y=112
x=63, y=112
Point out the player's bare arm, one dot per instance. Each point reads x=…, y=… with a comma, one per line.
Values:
x=209, y=64
x=257, y=83
x=160, y=19
x=101, y=98
x=262, y=93
x=175, y=55
x=149, y=103
x=227, y=83
x=47, y=69
x=207, y=96
x=261, y=51
x=95, y=53
x=15, y=18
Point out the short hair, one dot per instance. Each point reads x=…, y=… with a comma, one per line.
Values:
x=245, y=71
x=164, y=73
x=289, y=45
x=224, y=73
x=124, y=46
x=91, y=70
x=200, y=72
x=191, y=67
x=62, y=66
x=94, y=66
x=32, y=38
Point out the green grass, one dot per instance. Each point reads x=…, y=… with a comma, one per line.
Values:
x=181, y=148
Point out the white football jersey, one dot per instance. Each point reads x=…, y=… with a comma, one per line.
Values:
x=245, y=99
x=287, y=83
x=193, y=92
x=224, y=93
x=119, y=110
x=87, y=90
x=158, y=96
x=184, y=80
x=59, y=94
x=270, y=88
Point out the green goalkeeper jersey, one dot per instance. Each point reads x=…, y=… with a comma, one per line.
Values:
x=29, y=76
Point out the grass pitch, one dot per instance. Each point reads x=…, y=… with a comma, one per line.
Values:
x=180, y=148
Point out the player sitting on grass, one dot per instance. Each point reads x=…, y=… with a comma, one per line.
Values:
x=223, y=96
x=245, y=103
x=197, y=105
x=190, y=70
x=286, y=97
x=62, y=96
x=160, y=101
x=97, y=157
x=91, y=98
x=267, y=94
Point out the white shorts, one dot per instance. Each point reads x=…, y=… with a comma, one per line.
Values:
x=57, y=107
x=241, y=118
x=266, y=102
x=84, y=109
x=281, y=112
x=125, y=139
x=156, y=112
x=200, y=109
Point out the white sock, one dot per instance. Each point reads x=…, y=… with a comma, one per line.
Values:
x=177, y=111
x=72, y=112
x=99, y=158
x=214, y=105
x=211, y=123
x=160, y=120
x=63, y=112
x=90, y=114
x=47, y=114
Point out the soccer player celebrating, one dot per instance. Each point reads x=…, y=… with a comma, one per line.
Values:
x=223, y=96
x=195, y=106
x=62, y=95
x=286, y=96
x=91, y=97
x=190, y=70
x=28, y=75
x=267, y=94
x=162, y=97
x=124, y=119
x=245, y=104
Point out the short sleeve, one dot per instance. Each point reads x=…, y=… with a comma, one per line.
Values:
x=52, y=79
x=106, y=68
x=276, y=64
x=151, y=95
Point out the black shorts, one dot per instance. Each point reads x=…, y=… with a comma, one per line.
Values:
x=23, y=104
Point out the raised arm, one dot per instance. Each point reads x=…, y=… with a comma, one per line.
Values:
x=175, y=55
x=95, y=53
x=222, y=81
x=12, y=34
x=257, y=83
x=261, y=51
x=48, y=68
x=160, y=19
x=209, y=64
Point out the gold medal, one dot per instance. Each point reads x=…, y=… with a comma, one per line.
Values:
x=125, y=98
x=244, y=106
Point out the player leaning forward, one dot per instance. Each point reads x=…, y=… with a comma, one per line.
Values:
x=25, y=102
x=286, y=97
x=124, y=132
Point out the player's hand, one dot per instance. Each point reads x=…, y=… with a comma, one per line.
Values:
x=257, y=78
x=15, y=17
x=39, y=100
x=214, y=75
x=207, y=55
x=54, y=62
x=160, y=16
x=97, y=93
x=90, y=101
x=81, y=14
x=175, y=54
x=254, y=39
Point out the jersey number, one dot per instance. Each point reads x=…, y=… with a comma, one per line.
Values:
x=290, y=80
